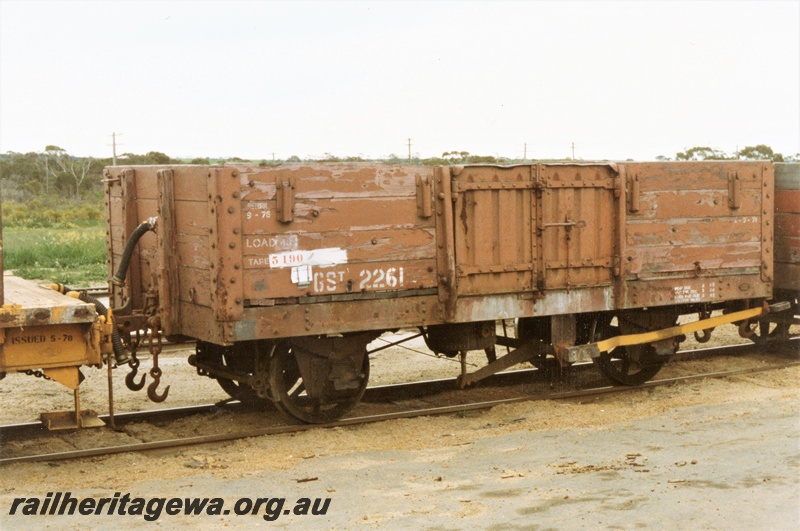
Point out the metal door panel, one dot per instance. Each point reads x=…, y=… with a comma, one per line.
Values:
x=494, y=213
x=578, y=225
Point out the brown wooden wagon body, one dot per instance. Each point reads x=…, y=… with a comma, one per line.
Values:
x=244, y=252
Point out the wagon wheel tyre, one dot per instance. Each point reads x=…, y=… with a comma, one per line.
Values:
x=288, y=391
x=632, y=365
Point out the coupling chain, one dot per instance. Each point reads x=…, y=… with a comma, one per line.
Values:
x=155, y=349
x=38, y=374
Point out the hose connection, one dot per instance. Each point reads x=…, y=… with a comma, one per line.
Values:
x=120, y=353
x=146, y=226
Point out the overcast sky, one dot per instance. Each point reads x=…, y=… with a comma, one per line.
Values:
x=249, y=79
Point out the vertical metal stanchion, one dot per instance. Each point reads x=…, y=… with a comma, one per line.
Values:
x=110, y=391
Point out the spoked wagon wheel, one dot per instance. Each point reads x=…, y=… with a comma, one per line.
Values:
x=288, y=391
x=631, y=365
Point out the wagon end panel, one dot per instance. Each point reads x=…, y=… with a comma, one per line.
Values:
x=171, y=268
x=697, y=232
x=130, y=199
x=336, y=232
x=787, y=226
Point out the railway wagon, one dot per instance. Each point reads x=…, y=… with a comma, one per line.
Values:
x=284, y=274
x=787, y=244
x=787, y=228
x=51, y=335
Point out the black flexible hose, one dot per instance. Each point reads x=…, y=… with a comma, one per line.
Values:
x=125, y=262
x=120, y=353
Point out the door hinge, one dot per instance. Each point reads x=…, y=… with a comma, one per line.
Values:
x=285, y=197
x=424, y=197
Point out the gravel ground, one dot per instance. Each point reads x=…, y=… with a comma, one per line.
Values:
x=712, y=454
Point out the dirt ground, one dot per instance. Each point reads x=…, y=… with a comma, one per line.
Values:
x=717, y=454
x=28, y=396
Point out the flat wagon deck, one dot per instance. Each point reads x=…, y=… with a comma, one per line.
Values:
x=45, y=332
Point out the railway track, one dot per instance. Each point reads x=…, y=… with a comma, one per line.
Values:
x=405, y=400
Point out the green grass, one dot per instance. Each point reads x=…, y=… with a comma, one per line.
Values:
x=47, y=212
x=69, y=255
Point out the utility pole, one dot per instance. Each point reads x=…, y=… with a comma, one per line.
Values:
x=114, y=148
x=573, y=151
x=525, y=152
x=409, y=150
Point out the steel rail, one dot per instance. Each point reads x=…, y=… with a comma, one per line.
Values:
x=388, y=392
x=442, y=410
x=404, y=390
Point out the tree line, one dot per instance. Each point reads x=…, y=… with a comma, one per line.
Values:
x=759, y=152
x=55, y=173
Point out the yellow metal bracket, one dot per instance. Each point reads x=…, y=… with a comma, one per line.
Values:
x=593, y=350
x=688, y=328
